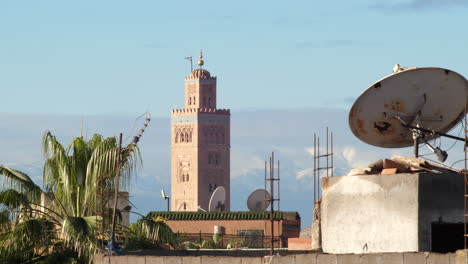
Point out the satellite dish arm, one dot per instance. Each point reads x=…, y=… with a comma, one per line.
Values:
x=425, y=130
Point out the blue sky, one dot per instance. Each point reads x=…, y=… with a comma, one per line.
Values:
x=101, y=57
x=106, y=62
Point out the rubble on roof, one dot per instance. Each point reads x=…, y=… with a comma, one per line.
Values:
x=399, y=164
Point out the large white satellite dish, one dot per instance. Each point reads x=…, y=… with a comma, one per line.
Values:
x=258, y=200
x=432, y=98
x=217, y=200
x=410, y=105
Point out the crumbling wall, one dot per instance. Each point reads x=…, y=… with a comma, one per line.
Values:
x=315, y=229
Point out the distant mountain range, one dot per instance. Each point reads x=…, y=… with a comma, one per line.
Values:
x=254, y=135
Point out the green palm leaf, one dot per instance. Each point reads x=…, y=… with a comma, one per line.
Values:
x=27, y=238
x=78, y=234
x=21, y=182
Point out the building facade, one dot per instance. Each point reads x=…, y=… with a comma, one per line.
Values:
x=249, y=226
x=200, y=145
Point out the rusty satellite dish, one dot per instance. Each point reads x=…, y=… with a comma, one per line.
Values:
x=433, y=99
x=258, y=200
x=217, y=200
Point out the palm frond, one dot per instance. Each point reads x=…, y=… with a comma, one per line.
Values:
x=78, y=233
x=68, y=257
x=131, y=161
x=27, y=239
x=13, y=199
x=59, y=177
x=21, y=182
x=158, y=231
x=5, y=221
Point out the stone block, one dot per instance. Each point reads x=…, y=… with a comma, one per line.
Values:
x=118, y=260
x=414, y=258
x=220, y=260
x=154, y=260
x=326, y=259
x=191, y=260
x=131, y=259
x=392, y=258
x=279, y=259
x=252, y=260
x=434, y=258
x=453, y=258
x=98, y=259
x=348, y=259
x=172, y=259
x=306, y=258
x=371, y=258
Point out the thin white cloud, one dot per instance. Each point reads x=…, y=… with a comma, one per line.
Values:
x=409, y=5
x=305, y=173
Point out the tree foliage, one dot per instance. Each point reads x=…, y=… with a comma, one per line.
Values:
x=57, y=223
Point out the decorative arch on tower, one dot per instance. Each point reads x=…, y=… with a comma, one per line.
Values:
x=183, y=134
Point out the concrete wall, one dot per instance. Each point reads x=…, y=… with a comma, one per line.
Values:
x=370, y=213
x=388, y=213
x=312, y=258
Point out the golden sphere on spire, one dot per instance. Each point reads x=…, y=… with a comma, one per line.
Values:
x=200, y=61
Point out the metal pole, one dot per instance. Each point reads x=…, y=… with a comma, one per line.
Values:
x=278, y=185
x=327, y=152
x=167, y=198
x=265, y=201
x=315, y=166
x=416, y=146
x=264, y=184
x=331, y=134
x=116, y=193
x=272, y=164
x=318, y=168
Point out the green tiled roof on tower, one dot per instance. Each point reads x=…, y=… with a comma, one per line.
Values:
x=223, y=215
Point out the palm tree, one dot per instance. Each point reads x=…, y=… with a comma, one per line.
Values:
x=57, y=223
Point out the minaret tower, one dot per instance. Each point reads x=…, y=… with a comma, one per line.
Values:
x=200, y=145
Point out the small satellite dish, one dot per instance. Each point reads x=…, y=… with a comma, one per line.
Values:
x=430, y=98
x=217, y=200
x=258, y=200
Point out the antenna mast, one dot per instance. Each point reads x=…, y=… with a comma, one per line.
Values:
x=191, y=63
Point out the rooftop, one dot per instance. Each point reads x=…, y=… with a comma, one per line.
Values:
x=224, y=215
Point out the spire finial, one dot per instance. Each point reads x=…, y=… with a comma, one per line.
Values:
x=200, y=61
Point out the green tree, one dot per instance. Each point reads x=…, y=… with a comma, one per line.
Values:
x=62, y=228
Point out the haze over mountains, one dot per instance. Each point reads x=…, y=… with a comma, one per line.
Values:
x=254, y=135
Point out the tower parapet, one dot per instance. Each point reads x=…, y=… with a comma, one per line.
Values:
x=191, y=111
